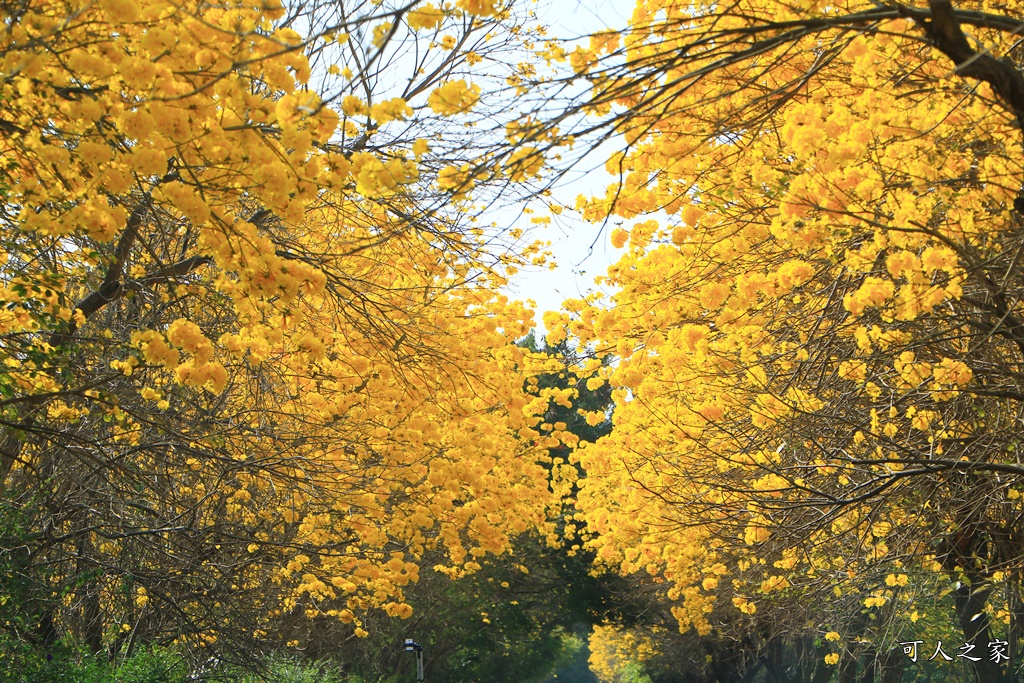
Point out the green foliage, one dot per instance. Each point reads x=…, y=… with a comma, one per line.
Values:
x=63, y=666
x=158, y=665
x=500, y=625
x=634, y=673
x=24, y=592
x=283, y=669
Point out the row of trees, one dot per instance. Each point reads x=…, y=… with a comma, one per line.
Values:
x=258, y=371
x=817, y=326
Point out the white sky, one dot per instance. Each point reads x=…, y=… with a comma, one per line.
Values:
x=572, y=238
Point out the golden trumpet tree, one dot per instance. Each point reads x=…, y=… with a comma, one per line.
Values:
x=255, y=362
x=817, y=312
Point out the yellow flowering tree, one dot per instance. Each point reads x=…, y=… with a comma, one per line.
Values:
x=616, y=655
x=816, y=313
x=255, y=363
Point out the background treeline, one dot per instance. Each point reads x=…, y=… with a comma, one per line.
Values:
x=542, y=615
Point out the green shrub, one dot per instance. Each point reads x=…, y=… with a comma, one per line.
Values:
x=60, y=665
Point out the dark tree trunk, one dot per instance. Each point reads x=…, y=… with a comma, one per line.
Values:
x=870, y=670
x=892, y=665
x=970, y=603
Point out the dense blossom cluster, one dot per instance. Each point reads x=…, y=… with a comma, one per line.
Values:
x=814, y=316
x=302, y=383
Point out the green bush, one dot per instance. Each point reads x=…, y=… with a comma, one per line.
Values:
x=63, y=666
x=284, y=670
x=155, y=666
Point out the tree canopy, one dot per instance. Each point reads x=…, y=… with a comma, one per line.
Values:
x=816, y=323
x=260, y=369
x=256, y=359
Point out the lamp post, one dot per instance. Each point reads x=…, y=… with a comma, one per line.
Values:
x=413, y=646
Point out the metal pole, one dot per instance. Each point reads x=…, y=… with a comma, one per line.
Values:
x=412, y=646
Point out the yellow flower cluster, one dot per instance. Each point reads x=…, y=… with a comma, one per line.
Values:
x=826, y=265
x=481, y=8
x=394, y=109
x=155, y=349
x=613, y=649
x=454, y=97
x=426, y=16
x=458, y=181
x=279, y=270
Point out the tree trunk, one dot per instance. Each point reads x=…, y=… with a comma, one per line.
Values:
x=870, y=670
x=892, y=665
x=92, y=618
x=974, y=621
